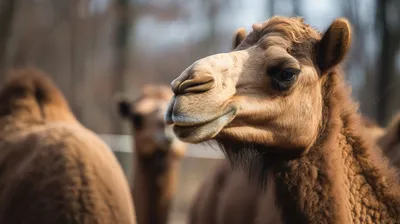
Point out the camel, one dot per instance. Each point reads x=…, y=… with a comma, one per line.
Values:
x=280, y=108
x=157, y=154
x=226, y=197
x=53, y=169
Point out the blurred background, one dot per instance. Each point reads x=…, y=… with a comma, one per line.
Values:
x=94, y=49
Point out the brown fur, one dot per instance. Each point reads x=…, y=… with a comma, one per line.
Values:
x=304, y=142
x=54, y=170
x=224, y=197
x=157, y=154
x=227, y=197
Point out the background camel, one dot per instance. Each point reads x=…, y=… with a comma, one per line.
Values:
x=54, y=170
x=280, y=108
x=156, y=156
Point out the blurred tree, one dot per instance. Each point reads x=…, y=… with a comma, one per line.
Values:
x=389, y=31
x=271, y=8
x=79, y=43
x=213, y=9
x=125, y=11
x=7, y=11
x=297, y=7
x=358, y=56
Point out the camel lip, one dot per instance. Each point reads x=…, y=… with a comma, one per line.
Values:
x=177, y=118
x=181, y=121
x=204, y=131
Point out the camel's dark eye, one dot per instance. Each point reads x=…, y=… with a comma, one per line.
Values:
x=137, y=120
x=284, y=79
x=288, y=74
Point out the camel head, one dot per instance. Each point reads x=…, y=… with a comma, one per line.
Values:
x=29, y=95
x=147, y=118
x=268, y=90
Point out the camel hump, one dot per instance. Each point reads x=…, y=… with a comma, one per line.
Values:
x=69, y=171
x=30, y=89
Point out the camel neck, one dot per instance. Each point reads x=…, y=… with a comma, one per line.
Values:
x=337, y=184
x=342, y=178
x=153, y=186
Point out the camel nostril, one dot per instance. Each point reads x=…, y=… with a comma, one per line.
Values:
x=175, y=85
x=197, y=85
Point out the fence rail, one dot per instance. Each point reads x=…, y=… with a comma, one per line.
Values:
x=124, y=143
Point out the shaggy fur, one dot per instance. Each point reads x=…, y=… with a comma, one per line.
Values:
x=157, y=154
x=226, y=196
x=313, y=158
x=54, y=170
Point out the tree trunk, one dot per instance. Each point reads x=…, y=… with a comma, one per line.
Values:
x=386, y=64
x=297, y=7
x=122, y=50
x=271, y=8
x=7, y=11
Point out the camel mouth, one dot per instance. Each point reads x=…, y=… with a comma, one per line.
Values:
x=205, y=130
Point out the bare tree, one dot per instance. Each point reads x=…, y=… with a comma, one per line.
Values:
x=271, y=8
x=390, y=40
x=297, y=7
x=123, y=28
x=7, y=11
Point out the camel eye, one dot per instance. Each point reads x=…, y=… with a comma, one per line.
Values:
x=288, y=74
x=284, y=79
x=137, y=120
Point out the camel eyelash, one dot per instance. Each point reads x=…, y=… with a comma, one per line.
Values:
x=280, y=86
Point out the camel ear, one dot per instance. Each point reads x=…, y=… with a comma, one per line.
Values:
x=123, y=106
x=239, y=36
x=334, y=45
x=124, y=109
x=395, y=128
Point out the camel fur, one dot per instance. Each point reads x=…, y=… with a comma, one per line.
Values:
x=53, y=169
x=226, y=196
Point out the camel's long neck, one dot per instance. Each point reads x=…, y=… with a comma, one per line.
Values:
x=340, y=179
x=153, y=187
